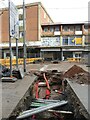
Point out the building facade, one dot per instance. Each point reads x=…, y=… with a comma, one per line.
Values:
x=35, y=15
x=44, y=38
x=64, y=40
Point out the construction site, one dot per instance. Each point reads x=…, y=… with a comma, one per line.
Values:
x=57, y=91
x=44, y=65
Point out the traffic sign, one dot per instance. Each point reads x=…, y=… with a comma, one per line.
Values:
x=14, y=21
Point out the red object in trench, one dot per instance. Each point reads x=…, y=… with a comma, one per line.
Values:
x=47, y=93
x=47, y=83
x=47, y=90
x=36, y=86
x=48, y=87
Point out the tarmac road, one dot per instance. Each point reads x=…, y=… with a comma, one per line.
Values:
x=61, y=66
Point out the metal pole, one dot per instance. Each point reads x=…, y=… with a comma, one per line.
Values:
x=10, y=47
x=31, y=112
x=24, y=46
x=16, y=53
x=61, y=55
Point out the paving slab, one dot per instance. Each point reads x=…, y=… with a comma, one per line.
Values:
x=82, y=92
x=12, y=93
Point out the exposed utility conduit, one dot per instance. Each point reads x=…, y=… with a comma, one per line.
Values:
x=36, y=87
x=63, y=112
x=48, y=87
x=34, y=111
x=47, y=83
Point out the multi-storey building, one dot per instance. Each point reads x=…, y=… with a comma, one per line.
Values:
x=44, y=38
x=35, y=15
x=64, y=40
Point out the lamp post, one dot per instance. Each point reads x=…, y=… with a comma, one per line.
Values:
x=17, y=53
x=10, y=47
x=24, y=45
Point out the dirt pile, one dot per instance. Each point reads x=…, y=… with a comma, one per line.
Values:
x=77, y=74
x=82, y=78
x=74, y=70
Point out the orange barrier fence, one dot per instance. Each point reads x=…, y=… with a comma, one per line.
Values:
x=6, y=62
x=74, y=59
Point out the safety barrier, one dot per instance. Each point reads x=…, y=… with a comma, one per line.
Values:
x=2, y=61
x=6, y=62
x=74, y=59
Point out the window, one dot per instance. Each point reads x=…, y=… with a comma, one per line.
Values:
x=20, y=34
x=21, y=23
x=7, y=55
x=65, y=40
x=45, y=29
x=78, y=40
x=21, y=17
x=65, y=28
x=71, y=28
x=71, y=40
x=51, y=29
x=78, y=55
x=20, y=11
x=86, y=27
x=78, y=28
x=57, y=28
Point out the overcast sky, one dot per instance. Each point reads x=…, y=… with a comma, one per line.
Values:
x=62, y=10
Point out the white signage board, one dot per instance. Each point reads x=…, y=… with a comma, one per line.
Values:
x=14, y=20
x=50, y=41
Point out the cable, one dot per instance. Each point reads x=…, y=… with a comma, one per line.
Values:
x=47, y=83
x=36, y=86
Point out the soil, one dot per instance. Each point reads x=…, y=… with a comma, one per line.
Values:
x=77, y=74
x=82, y=78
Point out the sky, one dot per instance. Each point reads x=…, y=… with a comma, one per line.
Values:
x=61, y=10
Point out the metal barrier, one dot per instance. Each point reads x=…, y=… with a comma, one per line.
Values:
x=6, y=62
x=74, y=59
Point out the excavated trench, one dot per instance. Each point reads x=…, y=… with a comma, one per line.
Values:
x=52, y=87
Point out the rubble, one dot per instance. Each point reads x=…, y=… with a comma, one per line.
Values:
x=82, y=78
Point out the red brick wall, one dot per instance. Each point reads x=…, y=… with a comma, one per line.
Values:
x=32, y=32
x=32, y=23
x=4, y=27
x=44, y=16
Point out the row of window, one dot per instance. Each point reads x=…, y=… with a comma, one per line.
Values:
x=72, y=40
x=54, y=28
x=66, y=40
x=64, y=28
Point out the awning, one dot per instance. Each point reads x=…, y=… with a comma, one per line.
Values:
x=52, y=49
